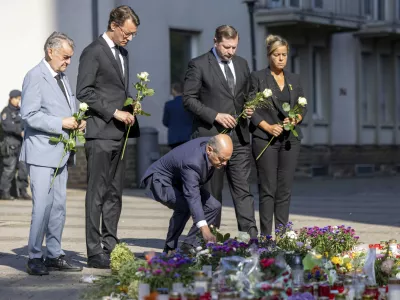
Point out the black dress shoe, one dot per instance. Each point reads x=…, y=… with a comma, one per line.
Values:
x=99, y=261
x=6, y=196
x=23, y=195
x=168, y=249
x=61, y=264
x=36, y=266
x=187, y=249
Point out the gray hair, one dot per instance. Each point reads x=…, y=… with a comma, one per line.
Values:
x=214, y=143
x=55, y=40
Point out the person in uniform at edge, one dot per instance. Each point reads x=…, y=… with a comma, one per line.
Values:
x=13, y=131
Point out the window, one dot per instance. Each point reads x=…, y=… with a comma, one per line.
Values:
x=182, y=49
x=381, y=10
x=398, y=9
x=386, y=94
x=367, y=88
x=368, y=7
x=317, y=83
x=294, y=61
x=294, y=3
x=275, y=3
x=398, y=85
x=318, y=4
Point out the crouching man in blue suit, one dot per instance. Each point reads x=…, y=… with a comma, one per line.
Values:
x=47, y=107
x=176, y=180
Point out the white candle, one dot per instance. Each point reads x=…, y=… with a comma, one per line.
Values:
x=394, y=289
x=207, y=270
x=144, y=290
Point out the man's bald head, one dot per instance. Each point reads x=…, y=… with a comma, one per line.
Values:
x=219, y=150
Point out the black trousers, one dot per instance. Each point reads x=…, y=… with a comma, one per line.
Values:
x=238, y=172
x=174, y=199
x=275, y=170
x=10, y=166
x=105, y=175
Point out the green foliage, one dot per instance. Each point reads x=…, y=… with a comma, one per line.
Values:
x=120, y=256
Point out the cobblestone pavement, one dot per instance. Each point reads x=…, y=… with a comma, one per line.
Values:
x=371, y=205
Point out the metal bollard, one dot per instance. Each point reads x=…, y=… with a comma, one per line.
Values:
x=147, y=149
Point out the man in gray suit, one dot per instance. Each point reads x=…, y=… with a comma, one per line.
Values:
x=47, y=107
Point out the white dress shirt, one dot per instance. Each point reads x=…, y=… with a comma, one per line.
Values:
x=111, y=44
x=221, y=64
x=54, y=74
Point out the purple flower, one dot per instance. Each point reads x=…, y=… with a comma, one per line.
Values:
x=299, y=244
x=177, y=275
x=157, y=272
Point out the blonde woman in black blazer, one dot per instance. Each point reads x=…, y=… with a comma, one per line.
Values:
x=276, y=167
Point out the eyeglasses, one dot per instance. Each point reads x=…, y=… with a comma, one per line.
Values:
x=127, y=34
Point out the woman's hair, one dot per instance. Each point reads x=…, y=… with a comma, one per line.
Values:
x=273, y=42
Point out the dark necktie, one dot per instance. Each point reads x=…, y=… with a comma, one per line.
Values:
x=118, y=59
x=229, y=77
x=61, y=85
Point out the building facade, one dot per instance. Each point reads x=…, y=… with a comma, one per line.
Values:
x=346, y=51
x=348, y=55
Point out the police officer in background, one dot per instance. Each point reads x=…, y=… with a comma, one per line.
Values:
x=13, y=132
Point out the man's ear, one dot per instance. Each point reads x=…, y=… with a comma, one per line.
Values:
x=209, y=149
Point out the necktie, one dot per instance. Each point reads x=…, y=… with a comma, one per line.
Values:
x=229, y=77
x=61, y=85
x=118, y=59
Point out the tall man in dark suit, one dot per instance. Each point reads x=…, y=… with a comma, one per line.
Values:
x=214, y=91
x=103, y=83
x=176, y=180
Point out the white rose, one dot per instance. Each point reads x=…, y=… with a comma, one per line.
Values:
x=143, y=76
x=243, y=237
x=199, y=248
x=291, y=234
x=302, y=101
x=398, y=275
x=267, y=93
x=83, y=107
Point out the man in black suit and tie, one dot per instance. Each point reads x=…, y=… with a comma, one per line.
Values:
x=214, y=91
x=176, y=180
x=103, y=83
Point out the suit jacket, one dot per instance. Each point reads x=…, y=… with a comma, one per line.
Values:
x=263, y=79
x=178, y=121
x=101, y=85
x=186, y=168
x=43, y=107
x=206, y=93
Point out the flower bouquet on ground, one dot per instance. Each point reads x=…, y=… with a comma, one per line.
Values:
x=211, y=253
x=124, y=279
x=275, y=280
x=288, y=240
x=70, y=143
x=330, y=241
x=260, y=100
x=387, y=265
x=267, y=247
x=142, y=92
x=163, y=271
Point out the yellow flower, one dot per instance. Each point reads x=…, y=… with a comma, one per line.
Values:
x=318, y=256
x=336, y=260
x=349, y=266
x=326, y=254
